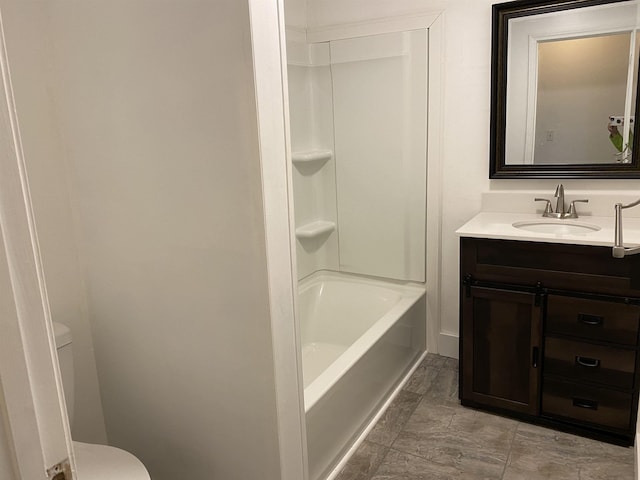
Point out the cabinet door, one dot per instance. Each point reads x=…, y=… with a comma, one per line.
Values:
x=501, y=337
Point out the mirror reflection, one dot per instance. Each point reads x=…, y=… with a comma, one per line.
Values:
x=565, y=94
x=581, y=91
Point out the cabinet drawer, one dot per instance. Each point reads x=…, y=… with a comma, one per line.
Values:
x=589, y=362
x=598, y=406
x=593, y=319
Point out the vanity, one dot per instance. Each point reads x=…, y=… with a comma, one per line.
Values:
x=549, y=319
x=549, y=311
x=550, y=322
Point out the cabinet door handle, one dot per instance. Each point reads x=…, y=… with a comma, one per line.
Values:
x=534, y=357
x=466, y=282
x=587, y=362
x=590, y=319
x=583, y=403
x=540, y=293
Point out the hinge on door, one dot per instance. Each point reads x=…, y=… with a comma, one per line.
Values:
x=60, y=471
x=468, y=279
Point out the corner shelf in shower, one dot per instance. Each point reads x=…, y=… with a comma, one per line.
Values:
x=308, y=157
x=315, y=229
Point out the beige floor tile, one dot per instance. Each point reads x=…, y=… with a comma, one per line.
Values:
x=443, y=440
x=444, y=388
x=607, y=470
x=394, y=419
x=422, y=379
x=364, y=462
x=402, y=466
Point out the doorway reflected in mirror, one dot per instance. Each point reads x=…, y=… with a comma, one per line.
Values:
x=580, y=105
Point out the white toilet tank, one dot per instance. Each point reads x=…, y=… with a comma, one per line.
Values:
x=65, y=359
x=93, y=462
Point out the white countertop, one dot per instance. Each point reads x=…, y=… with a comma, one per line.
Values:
x=500, y=226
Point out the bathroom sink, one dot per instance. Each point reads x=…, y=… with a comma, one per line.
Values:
x=558, y=227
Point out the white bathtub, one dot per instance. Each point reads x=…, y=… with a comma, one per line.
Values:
x=359, y=339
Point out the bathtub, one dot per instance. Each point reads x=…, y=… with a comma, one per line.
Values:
x=359, y=338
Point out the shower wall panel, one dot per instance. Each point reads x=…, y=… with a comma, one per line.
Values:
x=311, y=115
x=380, y=98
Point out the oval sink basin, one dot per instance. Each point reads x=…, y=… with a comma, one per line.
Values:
x=557, y=227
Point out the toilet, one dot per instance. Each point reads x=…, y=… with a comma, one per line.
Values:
x=93, y=462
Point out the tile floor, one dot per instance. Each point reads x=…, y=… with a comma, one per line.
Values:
x=427, y=434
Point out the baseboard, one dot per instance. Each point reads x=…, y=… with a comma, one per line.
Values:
x=448, y=345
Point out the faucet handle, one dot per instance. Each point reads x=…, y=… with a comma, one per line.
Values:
x=572, y=213
x=548, y=209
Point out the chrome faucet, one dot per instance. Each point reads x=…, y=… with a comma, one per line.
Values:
x=561, y=211
x=619, y=250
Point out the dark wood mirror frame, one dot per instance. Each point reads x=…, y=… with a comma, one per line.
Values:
x=498, y=168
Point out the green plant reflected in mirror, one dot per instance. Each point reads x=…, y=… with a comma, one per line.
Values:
x=564, y=83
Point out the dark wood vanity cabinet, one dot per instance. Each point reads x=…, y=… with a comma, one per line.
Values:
x=549, y=333
x=502, y=377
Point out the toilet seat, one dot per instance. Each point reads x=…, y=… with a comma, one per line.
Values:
x=101, y=462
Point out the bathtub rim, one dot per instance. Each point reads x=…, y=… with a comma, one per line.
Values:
x=392, y=283
x=410, y=292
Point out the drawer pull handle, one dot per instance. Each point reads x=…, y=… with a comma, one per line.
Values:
x=590, y=319
x=582, y=403
x=587, y=362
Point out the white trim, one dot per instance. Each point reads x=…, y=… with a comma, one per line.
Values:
x=14, y=381
x=532, y=103
x=448, y=345
x=31, y=382
x=371, y=27
x=580, y=34
x=629, y=94
x=435, y=144
x=269, y=62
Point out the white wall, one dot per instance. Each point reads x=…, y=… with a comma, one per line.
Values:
x=465, y=158
x=28, y=43
x=154, y=104
x=159, y=116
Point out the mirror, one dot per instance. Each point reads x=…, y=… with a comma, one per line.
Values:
x=564, y=81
